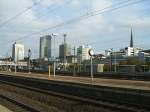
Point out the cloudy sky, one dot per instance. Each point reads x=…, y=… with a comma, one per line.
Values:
x=109, y=28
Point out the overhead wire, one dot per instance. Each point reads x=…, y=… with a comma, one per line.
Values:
x=50, y=10
x=20, y=13
x=85, y=16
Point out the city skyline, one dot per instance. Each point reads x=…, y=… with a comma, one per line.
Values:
x=46, y=45
x=99, y=31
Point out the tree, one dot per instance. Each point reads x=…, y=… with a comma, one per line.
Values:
x=132, y=61
x=140, y=64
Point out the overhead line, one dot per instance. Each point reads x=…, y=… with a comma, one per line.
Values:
x=85, y=16
x=81, y=18
x=67, y=2
x=19, y=14
x=71, y=20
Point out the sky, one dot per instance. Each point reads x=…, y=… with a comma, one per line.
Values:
x=107, y=29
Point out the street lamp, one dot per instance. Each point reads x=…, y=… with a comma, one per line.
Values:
x=29, y=56
x=16, y=61
x=54, y=35
x=15, y=67
x=111, y=50
x=65, y=52
x=115, y=62
x=91, y=53
x=74, y=69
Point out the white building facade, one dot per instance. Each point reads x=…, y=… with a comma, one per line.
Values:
x=83, y=53
x=131, y=51
x=18, y=52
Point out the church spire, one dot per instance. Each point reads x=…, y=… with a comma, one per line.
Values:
x=131, y=40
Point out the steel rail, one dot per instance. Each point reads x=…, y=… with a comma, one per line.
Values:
x=107, y=104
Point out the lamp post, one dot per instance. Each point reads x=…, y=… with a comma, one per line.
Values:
x=115, y=62
x=144, y=62
x=15, y=67
x=91, y=53
x=74, y=69
x=111, y=50
x=29, y=56
x=65, y=51
x=7, y=61
x=16, y=61
x=54, y=35
x=10, y=65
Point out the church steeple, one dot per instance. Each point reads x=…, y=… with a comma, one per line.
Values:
x=131, y=40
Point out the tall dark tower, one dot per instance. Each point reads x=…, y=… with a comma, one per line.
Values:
x=131, y=40
x=45, y=46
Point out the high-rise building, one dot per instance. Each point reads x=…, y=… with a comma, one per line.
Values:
x=45, y=47
x=64, y=51
x=18, y=52
x=83, y=53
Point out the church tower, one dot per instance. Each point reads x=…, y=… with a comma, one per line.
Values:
x=131, y=40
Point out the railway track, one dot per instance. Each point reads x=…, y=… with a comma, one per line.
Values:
x=19, y=104
x=110, y=75
x=103, y=104
x=52, y=88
